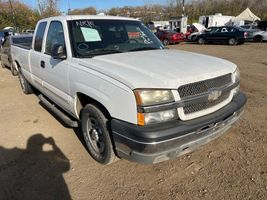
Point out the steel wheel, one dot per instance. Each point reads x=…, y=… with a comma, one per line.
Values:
x=165, y=42
x=201, y=41
x=97, y=134
x=257, y=38
x=25, y=85
x=232, y=41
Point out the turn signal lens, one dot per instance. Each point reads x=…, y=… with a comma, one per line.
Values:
x=141, y=119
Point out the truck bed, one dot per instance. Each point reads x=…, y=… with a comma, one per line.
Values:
x=27, y=46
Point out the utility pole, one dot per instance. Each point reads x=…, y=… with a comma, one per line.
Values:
x=12, y=15
x=69, y=7
x=183, y=8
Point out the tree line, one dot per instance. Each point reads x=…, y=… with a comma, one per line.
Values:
x=17, y=14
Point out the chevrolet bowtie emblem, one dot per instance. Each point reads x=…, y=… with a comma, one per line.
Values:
x=214, y=95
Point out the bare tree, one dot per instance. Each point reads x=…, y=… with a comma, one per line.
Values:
x=48, y=8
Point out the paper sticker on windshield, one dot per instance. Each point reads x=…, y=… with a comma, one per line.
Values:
x=133, y=35
x=90, y=35
x=146, y=39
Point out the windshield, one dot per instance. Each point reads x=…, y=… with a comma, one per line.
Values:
x=98, y=37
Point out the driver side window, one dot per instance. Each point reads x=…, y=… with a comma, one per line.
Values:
x=55, y=35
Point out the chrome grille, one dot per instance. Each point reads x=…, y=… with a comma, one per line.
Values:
x=205, y=104
x=190, y=90
x=203, y=86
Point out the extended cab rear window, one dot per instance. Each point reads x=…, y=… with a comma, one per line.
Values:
x=22, y=40
x=38, y=41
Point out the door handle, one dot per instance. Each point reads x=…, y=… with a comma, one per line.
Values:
x=42, y=64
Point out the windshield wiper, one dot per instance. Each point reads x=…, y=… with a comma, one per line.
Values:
x=144, y=48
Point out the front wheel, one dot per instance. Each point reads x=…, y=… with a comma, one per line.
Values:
x=193, y=38
x=232, y=41
x=201, y=41
x=96, y=134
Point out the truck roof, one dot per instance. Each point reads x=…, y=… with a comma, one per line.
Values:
x=77, y=17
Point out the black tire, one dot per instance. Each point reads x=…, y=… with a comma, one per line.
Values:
x=194, y=38
x=25, y=85
x=232, y=41
x=96, y=133
x=201, y=40
x=165, y=42
x=257, y=38
x=2, y=65
x=13, y=69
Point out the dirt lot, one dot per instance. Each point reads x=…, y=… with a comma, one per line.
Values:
x=41, y=159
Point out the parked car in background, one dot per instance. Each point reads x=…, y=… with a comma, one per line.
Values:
x=194, y=36
x=231, y=35
x=5, y=52
x=251, y=28
x=29, y=31
x=260, y=36
x=2, y=36
x=170, y=37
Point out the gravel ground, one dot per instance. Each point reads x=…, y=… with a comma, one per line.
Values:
x=41, y=159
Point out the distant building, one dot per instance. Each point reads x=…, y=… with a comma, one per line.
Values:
x=178, y=24
x=215, y=20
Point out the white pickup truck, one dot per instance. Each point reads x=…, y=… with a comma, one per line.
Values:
x=132, y=97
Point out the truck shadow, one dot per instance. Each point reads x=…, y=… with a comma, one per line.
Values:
x=35, y=172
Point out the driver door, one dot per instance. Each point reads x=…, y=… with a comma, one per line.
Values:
x=55, y=72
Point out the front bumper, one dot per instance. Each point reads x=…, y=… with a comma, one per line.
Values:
x=157, y=143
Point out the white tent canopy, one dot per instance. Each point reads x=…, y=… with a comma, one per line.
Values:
x=246, y=15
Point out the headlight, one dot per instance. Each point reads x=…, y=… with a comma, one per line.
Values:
x=236, y=75
x=236, y=78
x=148, y=97
x=156, y=117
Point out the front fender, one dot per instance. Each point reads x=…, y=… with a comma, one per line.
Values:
x=118, y=99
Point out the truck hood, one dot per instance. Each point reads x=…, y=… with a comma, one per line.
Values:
x=158, y=68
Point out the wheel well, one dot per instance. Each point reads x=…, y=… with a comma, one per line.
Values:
x=82, y=100
x=258, y=36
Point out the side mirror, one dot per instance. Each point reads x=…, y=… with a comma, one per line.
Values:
x=58, y=52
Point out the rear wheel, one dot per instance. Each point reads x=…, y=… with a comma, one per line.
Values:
x=232, y=41
x=201, y=41
x=2, y=65
x=257, y=38
x=96, y=134
x=25, y=85
x=13, y=69
x=165, y=41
